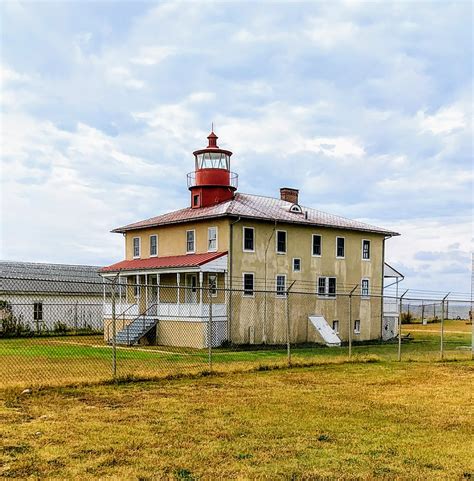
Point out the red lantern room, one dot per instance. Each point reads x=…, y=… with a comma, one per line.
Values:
x=212, y=181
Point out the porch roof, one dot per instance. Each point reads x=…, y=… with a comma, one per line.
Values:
x=170, y=262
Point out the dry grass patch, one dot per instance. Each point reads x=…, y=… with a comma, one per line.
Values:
x=366, y=420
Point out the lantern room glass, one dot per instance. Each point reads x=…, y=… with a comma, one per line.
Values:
x=212, y=160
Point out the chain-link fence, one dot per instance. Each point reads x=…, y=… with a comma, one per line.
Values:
x=55, y=331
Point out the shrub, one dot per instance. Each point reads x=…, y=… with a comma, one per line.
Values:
x=60, y=328
x=407, y=317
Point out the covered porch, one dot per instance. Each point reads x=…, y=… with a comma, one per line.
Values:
x=168, y=300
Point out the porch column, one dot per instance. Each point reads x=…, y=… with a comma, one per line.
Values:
x=200, y=291
x=158, y=288
x=103, y=303
x=146, y=291
x=120, y=292
x=178, y=279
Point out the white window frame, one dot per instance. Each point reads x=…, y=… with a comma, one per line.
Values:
x=243, y=284
x=365, y=296
x=326, y=294
x=37, y=318
x=243, y=238
x=280, y=294
x=293, y=264
x=214, y=249
x=212, y=291
x=156, y=237
x=357, y=331
x=344, y=256
x=139, y=247
x=335, y=330
x=194, y=241
x=282, y=253
x=312, y=245
x=362, y=246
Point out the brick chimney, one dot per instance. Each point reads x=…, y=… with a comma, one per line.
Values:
x=289, y=194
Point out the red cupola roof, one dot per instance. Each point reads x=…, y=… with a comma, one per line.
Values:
x=212, y=181
x=212, y=137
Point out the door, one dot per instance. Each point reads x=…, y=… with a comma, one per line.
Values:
x=191, y=289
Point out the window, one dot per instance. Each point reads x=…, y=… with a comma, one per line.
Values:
x=281, y=285
x=327, y=286
x=196, y=200
x=248, y=284
x=212, y=239
x=190, y=248
x=296, y=209
x=296, y=264
x=366, y=250
x=340, y=247
x=317, y=243
x=365, y=287
x=249, y=239
x=322, y=286
x=213, y=285
x=136, y=247
x=357, y=326
x=153, y=245
x=136, y=287
x=38, y=311
x=281, y=242
x=335, y=326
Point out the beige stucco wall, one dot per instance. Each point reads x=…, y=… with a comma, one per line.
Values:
x=253, y=317
x=181, y=334
x=172, y=238
x=348, y=271
x=178, y=333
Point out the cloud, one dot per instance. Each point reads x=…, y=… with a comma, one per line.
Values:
x=367, y=108
x=446, y=120
x=152, y=55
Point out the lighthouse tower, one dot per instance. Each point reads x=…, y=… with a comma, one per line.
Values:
x=212, y=181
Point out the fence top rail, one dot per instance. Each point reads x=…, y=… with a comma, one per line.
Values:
x=347, y=291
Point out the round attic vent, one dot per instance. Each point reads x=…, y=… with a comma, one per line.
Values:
x=296, y=209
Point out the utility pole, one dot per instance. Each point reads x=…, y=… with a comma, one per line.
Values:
x=400, y=327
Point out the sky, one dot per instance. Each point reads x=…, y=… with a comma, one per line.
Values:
x=365, y=107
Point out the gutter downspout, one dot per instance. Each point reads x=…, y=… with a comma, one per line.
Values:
x=264, y=328
x=382, y=289
x=231, y=260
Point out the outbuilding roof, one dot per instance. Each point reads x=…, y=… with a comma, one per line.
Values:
x=33, y=277
x=170, y=262
x=257, y=207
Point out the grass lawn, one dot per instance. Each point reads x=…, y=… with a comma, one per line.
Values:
x=409, y=420
x=72, y=359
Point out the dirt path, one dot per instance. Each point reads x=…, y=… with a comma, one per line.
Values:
x=131, y=349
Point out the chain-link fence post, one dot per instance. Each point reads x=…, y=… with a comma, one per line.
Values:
x=441, y=347
x=114, y=331
x=350, y=320
x=288, y=331
x=209, y=331
x=399, y=356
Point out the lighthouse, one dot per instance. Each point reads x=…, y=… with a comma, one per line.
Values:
x=212, y=182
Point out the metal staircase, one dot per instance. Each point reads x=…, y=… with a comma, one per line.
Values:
x=138, y=328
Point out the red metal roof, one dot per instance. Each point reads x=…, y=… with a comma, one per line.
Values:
x=257, y=207
x=188, y=260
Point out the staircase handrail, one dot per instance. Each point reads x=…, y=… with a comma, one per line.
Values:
x=136, y=318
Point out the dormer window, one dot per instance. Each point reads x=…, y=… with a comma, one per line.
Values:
x=296, y=209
